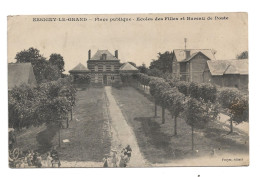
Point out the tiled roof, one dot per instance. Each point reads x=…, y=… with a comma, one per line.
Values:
x=19, y=73
x=98, y=55
x=181, y=54
x=127, y=67
x=220, y=67
x=80, y=68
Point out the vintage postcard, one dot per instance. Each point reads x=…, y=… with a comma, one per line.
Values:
x=128, y=90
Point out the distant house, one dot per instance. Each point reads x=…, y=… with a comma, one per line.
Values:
x=128, y=68
x=227, y=73
x=79, y=69
x=20, y=73
x=189, y=64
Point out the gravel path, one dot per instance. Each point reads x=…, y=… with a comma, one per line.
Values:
x=121, y=132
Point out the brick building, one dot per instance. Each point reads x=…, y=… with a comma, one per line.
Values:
x=104, y=67
x=189, y=64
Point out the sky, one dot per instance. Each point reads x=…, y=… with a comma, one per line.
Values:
x=136, y=41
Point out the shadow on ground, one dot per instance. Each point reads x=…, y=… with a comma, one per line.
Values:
x=45, y=137
x=158, y=141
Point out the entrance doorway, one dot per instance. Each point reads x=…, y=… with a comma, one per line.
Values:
x=105, y=79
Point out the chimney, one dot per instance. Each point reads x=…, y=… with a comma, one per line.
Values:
x=89, y=54
x=187, y=53
x=116, y=54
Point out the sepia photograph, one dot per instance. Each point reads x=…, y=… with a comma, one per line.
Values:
x=128, y=90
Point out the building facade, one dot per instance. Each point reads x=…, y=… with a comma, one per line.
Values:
x=104, y=67
x=190, y=64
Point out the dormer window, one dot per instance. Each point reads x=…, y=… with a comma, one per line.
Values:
x=104, y=56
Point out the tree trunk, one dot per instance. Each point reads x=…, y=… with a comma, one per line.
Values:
x=192, y=139
x=163, y=115
x=71, y=113
x=175, y=125
x=231, y=125
x=155, y=109
x=59, y=137
x=67, y=121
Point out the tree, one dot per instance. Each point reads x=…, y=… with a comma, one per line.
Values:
x=57, y=60
x=243, y=55
x=158, y=87
x=155, y=72
x=142, y=68
x=43, y=70
x=199, y=114
x=153, y=89
x=126, y=77
x=27, y=56
x=22, y=105
x=163, y=63
x=174, y=101
x=236, y=105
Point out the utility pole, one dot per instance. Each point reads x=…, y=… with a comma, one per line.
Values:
x=185, y=41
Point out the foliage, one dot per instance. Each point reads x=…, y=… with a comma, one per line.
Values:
x=182, y=86
x=155, y=72
x=142, y=68
x=174, y=101
x=199, y=113
x=57, y=60
x=22, y=105
x=236, y=103
x=27, y=56
x=82, y=78
x=46, y=103
x=163, y=63
x=44, y=70
x=126, y=77
x=240, y=110
x=243, y=55
x=208, y=92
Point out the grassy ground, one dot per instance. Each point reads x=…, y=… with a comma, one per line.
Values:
x=88, y=132
x=156, y=140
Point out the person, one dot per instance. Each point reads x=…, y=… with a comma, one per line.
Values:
x=128, y=151
x=48, y=160
x=105, y=165
x=122, y=161
x=114, y=159
x=34, y=160
x=55, y=157
x=38, y=161
x=29, y=158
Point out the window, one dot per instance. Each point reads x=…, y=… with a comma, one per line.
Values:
x=96, y=78
x=104, y=56
x=112, y=78
x=104, y=67
x=112, y=68
x=96, y=68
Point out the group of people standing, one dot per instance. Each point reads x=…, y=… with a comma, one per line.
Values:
x=32, y=158
x=118, y=160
